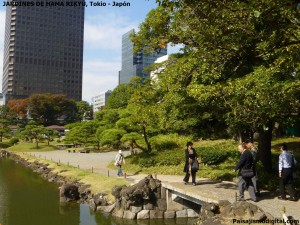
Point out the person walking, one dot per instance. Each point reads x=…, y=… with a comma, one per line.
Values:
x=287, y=163
x=190, y=158
x=245, y=162
x=250, y=146
x=119, y=160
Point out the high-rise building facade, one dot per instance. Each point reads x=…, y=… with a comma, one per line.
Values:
x=100, y=100
x=134, y=64
x=43, y=51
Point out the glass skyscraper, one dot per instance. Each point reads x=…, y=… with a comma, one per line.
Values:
x=133, y=64
x=43, y=51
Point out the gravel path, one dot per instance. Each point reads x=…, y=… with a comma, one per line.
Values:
x=88, y=161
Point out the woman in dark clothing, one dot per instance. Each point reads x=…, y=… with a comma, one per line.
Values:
x=190, y=157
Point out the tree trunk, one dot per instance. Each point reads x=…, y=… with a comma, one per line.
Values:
x=264, y=147
x=149, y=149
x=131, y=147
x=36, y=144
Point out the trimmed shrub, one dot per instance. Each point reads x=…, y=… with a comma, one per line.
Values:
x=13, y=141
x=4, y=145
x=212, y=156
x=170, y=141
x=146, y=162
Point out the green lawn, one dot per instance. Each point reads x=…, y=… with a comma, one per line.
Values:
x=171, y=162
x=31, y=147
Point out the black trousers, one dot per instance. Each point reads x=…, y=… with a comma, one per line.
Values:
x=187, y=176
x=286, y=180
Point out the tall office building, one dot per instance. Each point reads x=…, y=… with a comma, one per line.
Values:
x=43, y=50
x=133, y=64
x=100, y=100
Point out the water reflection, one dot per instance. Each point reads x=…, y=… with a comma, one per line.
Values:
x=27, y=199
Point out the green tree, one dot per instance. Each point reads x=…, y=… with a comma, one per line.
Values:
x=33, y=131
x=241, y=59
x=132, y=138
x=84, y=132
x=5, y=122
x=119, y=97
x=50, y=109
x=50, y=134
x=84, y=111
x=111, y=137
x=143, y=111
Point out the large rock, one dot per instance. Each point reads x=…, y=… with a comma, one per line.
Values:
x=144, y=194
x=156, y=214
x=106, y=208
x=192, y=213
x=148, y=206
x=226, y=213
x=181, y=214
x=169, y=214
x=129, y=215
x=100, y=199
x=118, y=213
x=162, y=204
x=136, y=209
x=92, y=204
x=69, y=192
x=144, y=214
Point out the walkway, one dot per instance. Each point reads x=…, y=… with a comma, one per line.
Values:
x=204, y=190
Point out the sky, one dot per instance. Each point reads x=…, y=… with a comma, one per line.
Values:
x=103, y=30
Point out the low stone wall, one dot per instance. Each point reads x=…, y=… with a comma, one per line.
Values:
x=146, y=200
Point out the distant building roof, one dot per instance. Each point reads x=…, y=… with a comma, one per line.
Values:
x=56, y=127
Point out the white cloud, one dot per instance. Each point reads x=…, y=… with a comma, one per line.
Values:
x=2, y=32
x=102, y=39
x=99, y=76
x=105, y=31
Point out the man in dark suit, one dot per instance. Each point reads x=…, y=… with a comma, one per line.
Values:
x=246, y=162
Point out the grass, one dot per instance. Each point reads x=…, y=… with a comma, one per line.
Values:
x=98, y=183
x=31, y=147
x=171, y=162
x=221, y=171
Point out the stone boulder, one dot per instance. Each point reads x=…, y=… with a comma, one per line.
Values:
x=144, y=214
x=145, y=195
x=142, y=193
x=226, y=213
x=69, y=192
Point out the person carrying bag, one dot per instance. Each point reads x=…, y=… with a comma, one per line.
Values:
x=191, y=164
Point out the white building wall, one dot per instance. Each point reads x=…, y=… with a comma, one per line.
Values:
x=100, y=100
x=153, y=74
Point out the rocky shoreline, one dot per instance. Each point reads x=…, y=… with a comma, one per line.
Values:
x=143, y=201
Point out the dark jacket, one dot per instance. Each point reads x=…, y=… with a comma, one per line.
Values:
x=246, y=161
x=188, y=156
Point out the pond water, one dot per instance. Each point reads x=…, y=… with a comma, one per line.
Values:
x=27, y=199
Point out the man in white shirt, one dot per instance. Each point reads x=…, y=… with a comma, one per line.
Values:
x=287, y=163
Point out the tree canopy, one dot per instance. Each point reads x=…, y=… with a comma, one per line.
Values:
x=239, y=60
